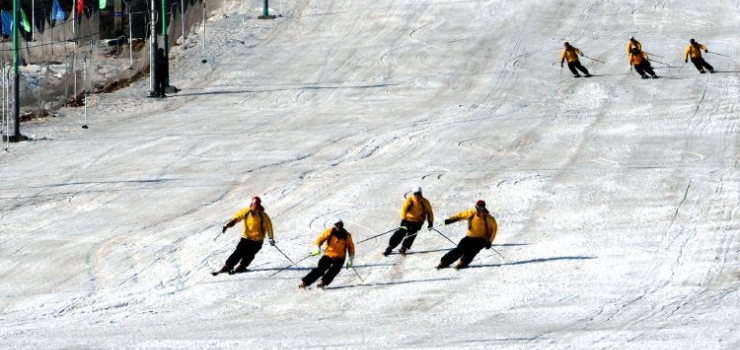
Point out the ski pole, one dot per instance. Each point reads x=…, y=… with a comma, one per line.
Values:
x=718, y=54
x=378, y=235
x=443, y=235
x=218, y=235
x=287, y=267
x=663, y=63
x=593, y=59
x=652, y=54
x=499, y=254
x=357, y=273
x=281, y=252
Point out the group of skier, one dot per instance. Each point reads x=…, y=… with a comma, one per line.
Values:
x=338, y=243
x=637, y=58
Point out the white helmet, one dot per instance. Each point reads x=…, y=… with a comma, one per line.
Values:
x=417, y=190
x=338, y=221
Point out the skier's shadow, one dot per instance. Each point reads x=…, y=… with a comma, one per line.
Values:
x=533, y=261
x=390, y=283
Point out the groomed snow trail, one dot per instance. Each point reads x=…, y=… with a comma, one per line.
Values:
x=617, y=198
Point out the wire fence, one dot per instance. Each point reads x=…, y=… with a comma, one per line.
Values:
x=70, y=58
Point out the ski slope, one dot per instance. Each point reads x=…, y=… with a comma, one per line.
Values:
x=617, y=198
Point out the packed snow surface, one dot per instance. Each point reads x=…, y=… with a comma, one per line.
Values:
x=617, y=198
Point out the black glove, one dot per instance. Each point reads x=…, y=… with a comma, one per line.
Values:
x=488, y=245
x=223, y=229
x=448, y=221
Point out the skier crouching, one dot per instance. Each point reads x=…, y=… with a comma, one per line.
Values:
x=256, y=225
x=482, y=229
x=640, y=60
x=414, y=211
x=338, y=243
x=570, y=54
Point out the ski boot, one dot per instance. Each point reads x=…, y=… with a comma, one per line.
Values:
x=388, y=251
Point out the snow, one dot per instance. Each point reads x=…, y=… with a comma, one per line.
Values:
x=616, y=198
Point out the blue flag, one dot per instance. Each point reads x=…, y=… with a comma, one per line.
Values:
x=57, y=13
x=7, y=20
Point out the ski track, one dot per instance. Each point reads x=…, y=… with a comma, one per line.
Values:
x=616, y=198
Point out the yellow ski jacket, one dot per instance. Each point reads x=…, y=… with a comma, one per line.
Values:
x=336, y=247
x=631, y=44
x=256, y=224
x=570, y=54
x=694, y=51
x=479, y=226
x=417, y=211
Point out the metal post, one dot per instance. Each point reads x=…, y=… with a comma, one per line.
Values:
x=33, y=19
x=265, y=12
x=203, y=13
x=152, y=49
x=16, y=78
x=130, y=43
x=182, y=19
x=84, y=91
x=165, y=43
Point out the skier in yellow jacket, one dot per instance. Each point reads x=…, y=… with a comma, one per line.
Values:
x=694, y=50
x=414, y=211
x=256, y=225
x=338, y=242
x=570, y=54
x=633, y=43
x=640, y=60
x=482, y=229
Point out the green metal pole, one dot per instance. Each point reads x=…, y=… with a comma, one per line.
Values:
x=16, y=81
x=264, y=10
x=166, y=44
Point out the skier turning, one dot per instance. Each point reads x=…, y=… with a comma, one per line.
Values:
x=570, y=53
x=338, y=243
x=694, y=50
x=482, y=229
x=414, y=211
x=256, y=225
x=640, y=60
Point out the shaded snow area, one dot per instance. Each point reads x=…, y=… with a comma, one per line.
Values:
x=617, y=198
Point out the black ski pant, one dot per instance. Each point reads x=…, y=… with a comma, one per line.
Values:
x=466, y=251
x=245, y=252
x=577, y=65
x=644, y=67
x=328, y=269
x=700, y=64
x=407, y=235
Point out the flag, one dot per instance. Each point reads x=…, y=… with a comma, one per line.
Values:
x=7, y=20
x=57, y=13
x=103, y=4
x=24, y=22
x=80, y=7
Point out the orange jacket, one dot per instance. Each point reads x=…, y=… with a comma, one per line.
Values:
x=256, y=224
x=417, y=211
x=480, y=225
x=336, y=247
x=637, y=58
